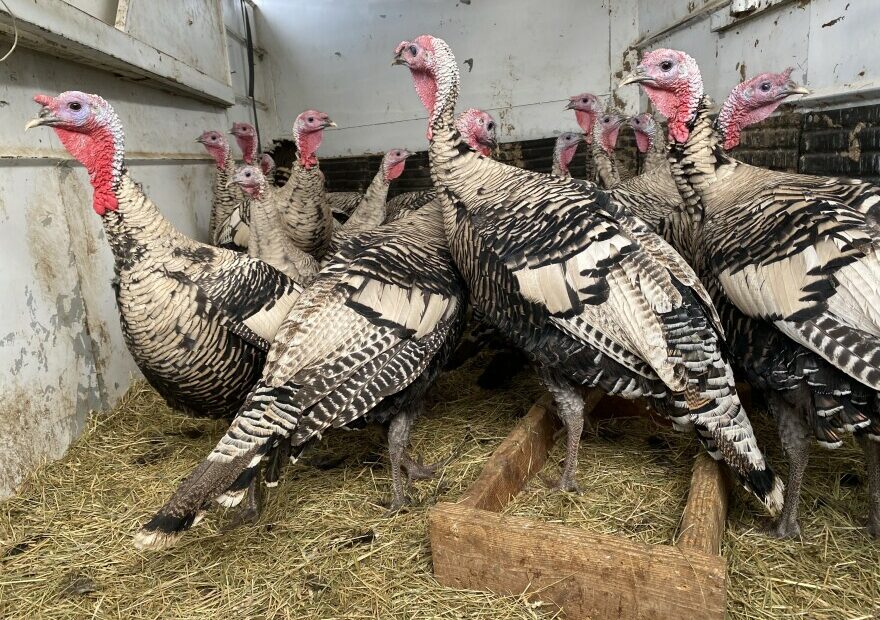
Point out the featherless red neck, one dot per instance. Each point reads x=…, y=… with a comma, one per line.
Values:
x=586, y=121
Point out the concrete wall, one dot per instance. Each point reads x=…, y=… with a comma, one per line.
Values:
x=527, y=58
x=829, y=42
x=61, y=351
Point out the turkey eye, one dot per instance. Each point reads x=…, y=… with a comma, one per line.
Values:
x=75, y=106
x=583, y=100
x=666, y=65
x=490, y=126
x=765, y=86
x=247, y=174
x=311, y=119
x=413, y=50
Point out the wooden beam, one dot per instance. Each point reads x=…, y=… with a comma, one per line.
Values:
x=587, y=575
x=521, y=454
x=122, y=15
x=702, y=524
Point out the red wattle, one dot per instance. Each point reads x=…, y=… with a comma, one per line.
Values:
x=642, y=142
x=308, y=142
x=585, y=121
x=95, y=151
x=566, y=156
x=394, y=170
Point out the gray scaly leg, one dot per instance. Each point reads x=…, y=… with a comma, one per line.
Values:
x=570, y=408
x=872, y=460
x=794, y=433
x=398, y=440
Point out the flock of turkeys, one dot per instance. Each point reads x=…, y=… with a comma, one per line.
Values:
x=314, y=310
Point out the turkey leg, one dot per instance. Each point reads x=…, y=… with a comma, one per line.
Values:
x=570, y=408
x=795, y=437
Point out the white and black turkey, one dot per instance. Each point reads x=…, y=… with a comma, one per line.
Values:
x=605, y=132
x=650, y=143
x=792, y=263
x=364, y=342
x=197, y=319
x=245, y=136
x=267, y=239
x=588, y=292
x=563, y=152
x=587, y=109
x=224, y=197
x=302, y=200
x=370, y=212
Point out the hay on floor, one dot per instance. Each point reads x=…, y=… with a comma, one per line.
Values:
x=324, y=548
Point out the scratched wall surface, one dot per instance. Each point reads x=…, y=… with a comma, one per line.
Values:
x=61, y=349
x=519, y=59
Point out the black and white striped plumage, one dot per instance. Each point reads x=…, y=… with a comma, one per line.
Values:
x=342, y=204
x=197, y=319
x=365, y=340
x=586, y=290
x=792, y=263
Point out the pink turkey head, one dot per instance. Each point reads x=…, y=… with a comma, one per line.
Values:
x=267, y=164
x=754, y=100
x=645, y=127
x=308, y=131
x=216, y=145
x=418, y=56
x=251, y=180
x=673, y=83
x=608, y=127
x=587, y=109
x=477, y=129
x=393, y=163
x=565, y=148
x=246, y=138
x=90, y=131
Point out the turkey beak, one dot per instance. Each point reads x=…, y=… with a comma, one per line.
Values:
x=398, y=59
x=329, y=123
x=569, y=106
x=637, y=76
x=793, y=88
x=44, y=118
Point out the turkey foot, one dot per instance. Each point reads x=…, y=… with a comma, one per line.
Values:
x=782, y=528
x=419, y=470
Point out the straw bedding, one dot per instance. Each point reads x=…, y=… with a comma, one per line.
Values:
x=324, y=547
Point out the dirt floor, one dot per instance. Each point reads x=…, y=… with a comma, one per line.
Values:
x=324, y=547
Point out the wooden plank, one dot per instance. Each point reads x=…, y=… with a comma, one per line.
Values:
x=521, y=454
x=702, y=524
x=122, y=15
x=587, y=575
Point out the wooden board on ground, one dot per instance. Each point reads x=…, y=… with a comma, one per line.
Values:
x=588, y=575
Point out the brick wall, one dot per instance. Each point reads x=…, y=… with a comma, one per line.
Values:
x=842, y=142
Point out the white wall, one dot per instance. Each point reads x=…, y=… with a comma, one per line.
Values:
x=830, y=43
x=528, y=57
x=61, y=350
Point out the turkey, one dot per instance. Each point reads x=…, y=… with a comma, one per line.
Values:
x=364, y=342
x=246, y=137
x=792, y=263
x=563, y=152
x=197, y=319
x=224, y=197
x=587, y=291
x=302, y=201
x=267, y=167
x=267, y=239
x=605, y=132
x=477, y=129
x=752, y=101
x=653, y=195
x=370, y=212
x=649, y=142
x=587, y=109
x=343, y=203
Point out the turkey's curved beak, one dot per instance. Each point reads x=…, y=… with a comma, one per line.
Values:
x=569, y=105
x=44, y=118
x=636, y=77
x=398, y=59
x=329, y=123
x=793, y=88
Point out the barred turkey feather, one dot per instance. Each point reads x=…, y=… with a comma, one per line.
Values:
x=588, y=291
x=363, y=342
